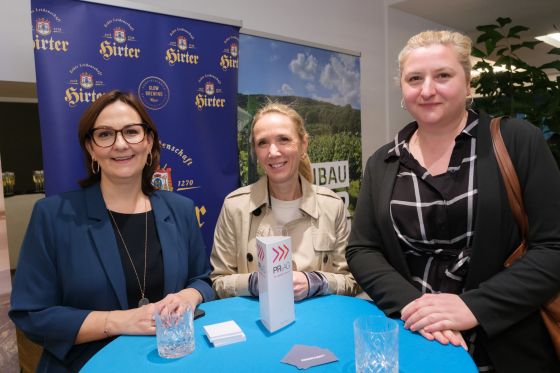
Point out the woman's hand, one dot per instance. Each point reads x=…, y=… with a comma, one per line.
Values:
x=136, y=321
x=445, y=337
x=301, y=286
x=103, y=324
x=438, y=312
x=179, y=302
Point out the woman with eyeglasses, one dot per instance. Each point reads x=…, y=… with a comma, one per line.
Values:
x=97, y=262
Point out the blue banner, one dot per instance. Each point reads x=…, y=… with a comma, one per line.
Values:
x=184, y=71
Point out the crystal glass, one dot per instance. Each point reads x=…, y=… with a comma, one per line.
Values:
x=175, y=334
x=376, y=345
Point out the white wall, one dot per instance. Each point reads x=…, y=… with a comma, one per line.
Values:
x=356, y=25
x=400, y=27
x=366, y=26
x=16, y=63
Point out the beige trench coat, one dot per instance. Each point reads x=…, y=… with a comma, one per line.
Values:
x=318, y=238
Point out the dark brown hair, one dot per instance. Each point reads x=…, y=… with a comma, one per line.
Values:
x=88, y=121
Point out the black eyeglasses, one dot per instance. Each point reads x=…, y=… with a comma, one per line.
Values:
x=106, y=137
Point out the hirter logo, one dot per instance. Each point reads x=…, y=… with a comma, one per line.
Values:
x=162, y=179
x=119, y=34
x=209, y=88
x=281, y=253
x=43, y=26
x=233, y=49
x=182, y=42
x=86, y=80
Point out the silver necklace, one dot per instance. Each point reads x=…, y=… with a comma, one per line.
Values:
x=143, y=300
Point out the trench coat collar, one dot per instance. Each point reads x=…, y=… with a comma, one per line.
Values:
x=260, y=197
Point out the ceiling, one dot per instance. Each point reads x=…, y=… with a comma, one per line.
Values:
x=461, y=15
x=539, y=16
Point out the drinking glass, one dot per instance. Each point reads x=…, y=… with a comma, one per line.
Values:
x=38, y=180
x=376, y=345
x=175, y=334
x=8, y=182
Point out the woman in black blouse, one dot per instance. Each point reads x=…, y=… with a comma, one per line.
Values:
x=432, y=227
x=98, y=262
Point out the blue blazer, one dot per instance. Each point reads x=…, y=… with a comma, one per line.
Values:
x=69, y=265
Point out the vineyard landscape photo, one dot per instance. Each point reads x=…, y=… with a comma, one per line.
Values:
x=323, y=87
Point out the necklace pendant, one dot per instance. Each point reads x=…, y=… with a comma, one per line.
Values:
x=144, y=301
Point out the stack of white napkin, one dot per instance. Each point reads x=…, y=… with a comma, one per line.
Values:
x=224, y=333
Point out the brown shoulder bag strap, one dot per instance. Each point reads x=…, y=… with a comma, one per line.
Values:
x=513, y=188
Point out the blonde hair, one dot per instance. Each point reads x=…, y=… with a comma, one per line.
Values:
x=276, y=107
x=462, y=45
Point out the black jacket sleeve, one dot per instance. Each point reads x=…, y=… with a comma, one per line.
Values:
x=514, y=293
x=373, y=252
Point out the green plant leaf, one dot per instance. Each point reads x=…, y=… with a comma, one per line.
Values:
x=516, y=30
x=478, y=53
x=486, y=28
x=482, y=65
x=551, y=65
x=525, y=44
x=531, y=44
x=524, y=89
x=490, y=46
x=490, y=35
x=520, y=63
x=515, y=47
x=501, y=51
x=503, y=21
x=503, y=60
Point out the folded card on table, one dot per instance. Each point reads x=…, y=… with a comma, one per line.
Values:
x=224, y=333
x=304, y=357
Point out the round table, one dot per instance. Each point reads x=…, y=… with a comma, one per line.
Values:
x=326, y=322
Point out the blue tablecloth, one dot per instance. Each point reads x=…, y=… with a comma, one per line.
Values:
x=326, y=322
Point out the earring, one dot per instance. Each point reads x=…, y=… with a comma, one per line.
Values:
x=470, y=103
x=151, y=160
x=403, y=106
x=95, y=172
